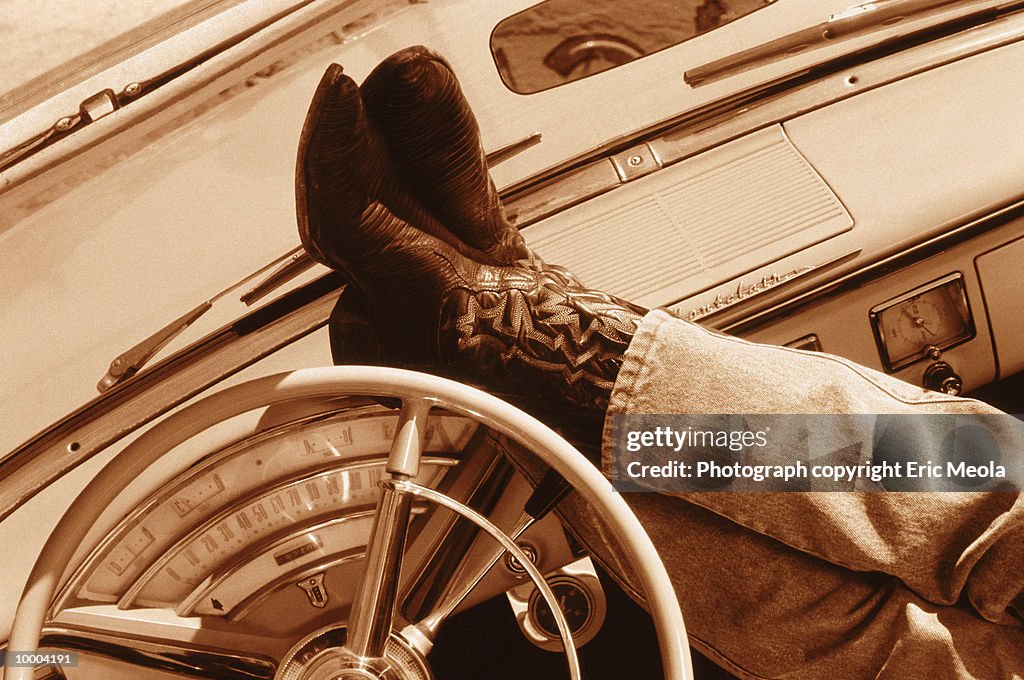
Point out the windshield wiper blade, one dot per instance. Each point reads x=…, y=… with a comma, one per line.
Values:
x=128, y=363
x=849, y=23
x=288, y=266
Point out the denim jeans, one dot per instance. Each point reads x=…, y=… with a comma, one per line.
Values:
x=824, y=584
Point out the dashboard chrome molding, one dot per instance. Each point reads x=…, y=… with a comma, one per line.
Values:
x=848, y=24
x=745, y=291
x=726, y=305
x=179, y=658
x=756, y=319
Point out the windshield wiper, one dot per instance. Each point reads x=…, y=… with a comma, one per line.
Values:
x=128, y=363
x=285, y=268
x=849, y=23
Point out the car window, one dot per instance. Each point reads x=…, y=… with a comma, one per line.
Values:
x=559, y=41
x=45, y=52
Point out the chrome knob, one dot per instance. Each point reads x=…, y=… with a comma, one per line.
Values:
x=941, y=377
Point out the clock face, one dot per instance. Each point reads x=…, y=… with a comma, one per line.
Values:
x=932, y=317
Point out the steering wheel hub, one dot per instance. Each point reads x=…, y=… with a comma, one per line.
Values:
x=323, y=656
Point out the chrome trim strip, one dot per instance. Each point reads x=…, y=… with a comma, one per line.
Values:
x=848, y=24
x=874, y=270
x=769, y=283
x=193, y=662
x=565, y=190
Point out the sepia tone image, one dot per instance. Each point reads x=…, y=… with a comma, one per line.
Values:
x=412, y=339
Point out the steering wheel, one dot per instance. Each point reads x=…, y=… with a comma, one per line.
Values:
x=368, y=648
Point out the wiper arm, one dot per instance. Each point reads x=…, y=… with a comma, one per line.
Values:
x=128, y=363
x=840, y=26
x=285, y=268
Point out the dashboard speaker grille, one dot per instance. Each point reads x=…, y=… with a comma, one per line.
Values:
x=698, y=223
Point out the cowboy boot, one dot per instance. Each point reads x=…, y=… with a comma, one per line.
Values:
x=417, y=104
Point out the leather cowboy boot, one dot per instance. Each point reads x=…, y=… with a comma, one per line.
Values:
x=417, y=104
x=356, y=138
x=434, y=303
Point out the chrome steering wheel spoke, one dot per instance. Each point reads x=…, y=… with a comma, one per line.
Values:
x=507, y=544
x=373, y=610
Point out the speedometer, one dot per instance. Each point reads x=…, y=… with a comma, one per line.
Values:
x=281, y=500
x=285, y=511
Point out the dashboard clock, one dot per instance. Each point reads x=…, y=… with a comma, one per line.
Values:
x=935, y=316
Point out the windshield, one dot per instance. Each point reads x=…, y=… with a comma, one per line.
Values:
x=45, y=52
x=560, y=41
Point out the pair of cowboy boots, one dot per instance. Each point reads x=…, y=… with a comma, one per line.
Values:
x=393, y=192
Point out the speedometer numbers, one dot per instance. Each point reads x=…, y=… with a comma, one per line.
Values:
x=919, y=323
x=258, y=510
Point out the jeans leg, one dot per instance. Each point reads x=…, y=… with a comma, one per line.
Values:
x=820, y=584
x=763, y=610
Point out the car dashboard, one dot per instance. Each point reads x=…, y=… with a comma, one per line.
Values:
x=865, y=200
x=820, y=229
